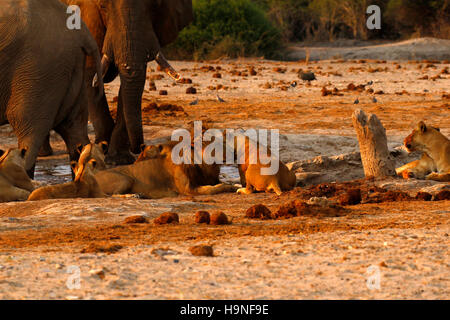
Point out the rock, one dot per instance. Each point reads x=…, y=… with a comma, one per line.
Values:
x=167, y=217
x=424, y=196
x=219, y=218
x=191, y=90
x=97, y=273
x=202, y=251
x=442, y=195
x=94, y=248
x=202, y=217
x=321, y=201
x=135, y=219
x=351, y=197
x=163, y=92
x=298, y=208
x=258, y=211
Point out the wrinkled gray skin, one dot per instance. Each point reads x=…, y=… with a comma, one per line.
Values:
x=42, y=85
x=129, y=33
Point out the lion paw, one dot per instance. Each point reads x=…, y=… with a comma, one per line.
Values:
x=243, y=191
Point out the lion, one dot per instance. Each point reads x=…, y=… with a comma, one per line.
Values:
x=435, y=161
x=283, y=180
x=251, y=176
x=154, y=176
x=15, y=184
x=96, y=151
x=84, y=185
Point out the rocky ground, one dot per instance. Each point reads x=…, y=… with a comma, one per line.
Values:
x=391, y=245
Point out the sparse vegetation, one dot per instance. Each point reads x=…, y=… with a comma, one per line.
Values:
x=259, y=27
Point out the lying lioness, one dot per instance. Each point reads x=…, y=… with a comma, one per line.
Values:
x=435, y=161
x=154, y=176
x=83, y=186
x=15, y=184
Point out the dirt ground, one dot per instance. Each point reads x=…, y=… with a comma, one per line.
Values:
x=397, y=240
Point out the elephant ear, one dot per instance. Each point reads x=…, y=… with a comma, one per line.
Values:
x=170, y=17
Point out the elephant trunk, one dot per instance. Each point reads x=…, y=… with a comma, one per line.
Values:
x=132, y=88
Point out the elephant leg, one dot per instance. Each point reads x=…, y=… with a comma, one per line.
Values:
x=32, y=143
x=46, y=149
x=119, y=146
x=100, y=116
x=74, y=129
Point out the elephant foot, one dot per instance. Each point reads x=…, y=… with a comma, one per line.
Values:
x=46, y=150
x=119, y=159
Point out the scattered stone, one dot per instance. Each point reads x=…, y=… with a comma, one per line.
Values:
x=383, y=264
x=424, y=196
x=389, y=196
x=202, y=217
x=136, y=219
x=163, y=92
x=202, y=251
x=97, y=273
x=191, y=90
x=185, y=81
x=94, y=248
x=166, y=218
x=258, y=211
x=219, y=218
x=350, y=198
x=442, y=195
x=298, y=208
x=217, y=75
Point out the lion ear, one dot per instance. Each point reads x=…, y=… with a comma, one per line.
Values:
x=160, y=148
x=422, y=126
x=2, y=152
x=79, y=148
x=104, y=146
x=23, y=152
x=93, y=162
x=143, y=146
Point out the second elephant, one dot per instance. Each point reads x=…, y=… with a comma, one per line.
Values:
x=129, y=34
x=42, y=78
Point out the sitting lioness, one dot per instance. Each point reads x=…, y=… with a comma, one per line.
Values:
x=435, y=161
x=158, y=177
x=15, y=184
x=83, y=186
x=251, y=175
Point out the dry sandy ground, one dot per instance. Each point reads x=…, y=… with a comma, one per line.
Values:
x=312, y=256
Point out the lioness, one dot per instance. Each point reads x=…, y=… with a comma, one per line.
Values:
x=250, y=174
x=15, y=183
x=435, y=161
x=159, y=177
x=83, y=186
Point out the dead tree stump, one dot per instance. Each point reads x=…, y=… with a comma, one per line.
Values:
x=375, y=155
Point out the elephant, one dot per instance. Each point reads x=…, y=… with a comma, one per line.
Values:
x=42, y=78
x=129, y=34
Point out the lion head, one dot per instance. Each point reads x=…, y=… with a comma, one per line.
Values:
x=422, y=136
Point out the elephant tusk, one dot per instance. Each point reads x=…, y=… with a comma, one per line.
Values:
x=166, y=67
x=105, y=65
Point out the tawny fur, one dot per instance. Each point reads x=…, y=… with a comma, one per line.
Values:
x=154, y=175
x=15, y=185
x=435, y=162
x=250, y=174
x=84, y=185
